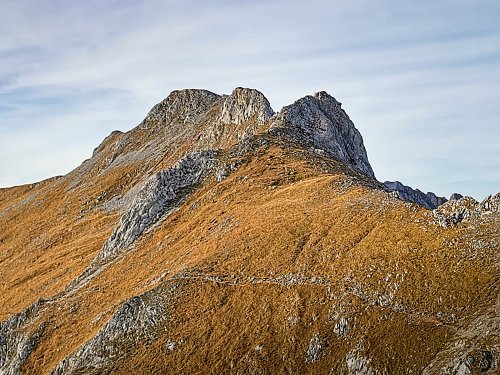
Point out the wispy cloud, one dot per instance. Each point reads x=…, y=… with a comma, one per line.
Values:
x=421, y=80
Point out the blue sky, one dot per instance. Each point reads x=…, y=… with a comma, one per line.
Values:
x=420, y=79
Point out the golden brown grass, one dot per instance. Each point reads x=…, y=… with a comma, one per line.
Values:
x=375, y=260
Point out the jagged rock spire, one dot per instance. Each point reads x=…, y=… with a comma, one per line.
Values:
x=320, y=122
x=243, y=104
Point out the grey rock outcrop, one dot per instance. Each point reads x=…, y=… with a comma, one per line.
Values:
x=455, y=212
x=314, y=350
x=474, y=349
x=319, y=122
x=455, y=197
x=180, y=106
x=428, y=200
x=136, y=320
x=168, y=126
x=245, y=112
x=244, y=104
x=17, y=341
x=479, y=362
x=358, y=364
x=160, y=194
x=195, y=119
x=342, y=328
x=490, y=204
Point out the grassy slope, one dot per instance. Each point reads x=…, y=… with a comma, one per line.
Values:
x=360, y=255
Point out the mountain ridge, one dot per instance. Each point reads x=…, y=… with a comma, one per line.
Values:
x=219, y=236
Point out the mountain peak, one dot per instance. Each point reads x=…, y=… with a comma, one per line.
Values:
x=321, y=123
x=184, y=105
x=214, y=220
x=197, y=119
x=243, y=104
x=323, y=95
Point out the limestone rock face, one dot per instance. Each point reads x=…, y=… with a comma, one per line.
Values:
x=181, y=105
x=428, y=200
x=244, y=104
x=491, y=203
x=319, y=122
x=455, y=212
x=137, y=319
x=160, y=194
x=196, y=119
x=245, y=112
x=16, y=344
x=314, y=349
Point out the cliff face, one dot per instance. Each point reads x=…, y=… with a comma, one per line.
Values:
x=220, y=237
x=319, y=122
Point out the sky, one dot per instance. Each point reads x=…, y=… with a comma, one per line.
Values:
x=420, y=79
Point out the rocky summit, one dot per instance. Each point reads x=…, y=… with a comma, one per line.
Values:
x=220, y=237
